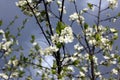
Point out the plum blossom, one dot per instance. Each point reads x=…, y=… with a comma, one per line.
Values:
x=114, y=71
x=66, y=36
x=75, y=16
x=113, y=3
x=49, y=1
x=3, y=75
x=13, y=62
x=64, y=10
x=78, y=47
x=82, y=74
x=50, y=50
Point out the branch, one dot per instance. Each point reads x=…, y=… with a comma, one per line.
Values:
x=47, y=16
x=38, y=22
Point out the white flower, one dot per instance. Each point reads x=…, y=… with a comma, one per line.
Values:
x=114, y=20
x=21, y=3
x=78, y=47
x=34, y=43
x=106, y=57
x=15, y=62
x=84, y=10
x=73, y=16
x=113, y=30
x=59, y=3
x=104, y=40
x=73, y=58
x=64, y=10
x=80, y=20
x=49, y=1
x=113, y=3
x=50, y=50
x=82, y=74
x=92, y=42
x=112, y=55
x=84, y=69
x=55, y=38
x=7, y=45
x=97, y=73
x=114, y=71
x=14, y=74
x=67, y=35
x=1, y=31
x=86, y=56
x=3, y=75
x=95, y=60
x=71, y=68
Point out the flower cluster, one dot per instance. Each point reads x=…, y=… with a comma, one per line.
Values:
x=49, y=50
x=66, y=36
x=5, y=44
x=13, y=62
x=23, y=5
x=76, y=17
x=6, y=77
x=98, y=37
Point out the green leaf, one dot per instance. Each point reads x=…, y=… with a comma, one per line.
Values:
x=37, y=47
x=97, y=36
x=76, y=62
x=90, y=5
x=59, y=45
x=118, y=14
x=53, y=71
x=1, y=22
x=33, y=38
x=86, y=25
x=60, y=27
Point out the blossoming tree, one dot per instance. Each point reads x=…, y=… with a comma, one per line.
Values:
x=92, y=57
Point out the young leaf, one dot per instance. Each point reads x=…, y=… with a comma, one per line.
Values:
x=86, y=25
x=1, y=22
x=90, y=5
x=60, y=27
x=33, y=38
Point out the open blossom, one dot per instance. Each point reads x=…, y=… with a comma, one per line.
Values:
x=71, y=68
x=113, y=3
x=1, y=31
x=77, y=17
x=59, y=3
x=14, y=62
x=82, y=74
x=50, y=50
x=114, y=71
x=73, y=16
x=78, y=47
x=66, y=36
x=113, y=30
x=64, y=10
x=7, y=45
x=49, y=1
x=3, y=75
